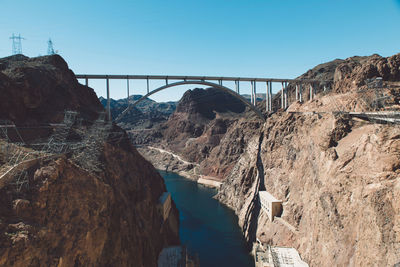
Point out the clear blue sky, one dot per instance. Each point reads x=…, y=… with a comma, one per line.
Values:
x=264, y=38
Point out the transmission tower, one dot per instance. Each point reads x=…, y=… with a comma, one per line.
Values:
x=50, y=48
x=17, y=44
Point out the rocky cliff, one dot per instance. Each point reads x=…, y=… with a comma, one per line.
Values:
x=95, y=205
x=339, y=183
x=338, y=178
x=36, y=90
x=347, y=76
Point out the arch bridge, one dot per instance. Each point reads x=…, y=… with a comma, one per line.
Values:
x=216, y=82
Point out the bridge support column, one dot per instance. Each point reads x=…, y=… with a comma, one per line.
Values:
x=311, y=92
x=314, y=90
x=286, y=96
x=255, y=92
x=108, y=99
x=148, y=87
x=301, y=93
x=86, y=81
x=252, y=93
x=127, y=90
x=270, y=96
x=297, y=92
x=282, y=96
x=237, y=87
x=267, y=98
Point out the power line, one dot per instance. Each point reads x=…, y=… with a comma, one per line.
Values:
x=17, y=44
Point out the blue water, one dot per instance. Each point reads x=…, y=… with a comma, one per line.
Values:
x=207, y=228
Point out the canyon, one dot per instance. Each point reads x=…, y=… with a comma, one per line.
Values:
x=337, y=177
x=85, y=193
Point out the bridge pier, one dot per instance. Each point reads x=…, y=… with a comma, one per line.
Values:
x=87, y=81
x=300, y=93
x=267, y=98
x=108, y=99
x=270, y=96
x=297, y=92
x=311, y=92
x=255, y=93
x=252, y=93
x=237, y=87
x=282, y=97
x=148, y=87
x=268, y=101
x=286, y=96
x=127, y=90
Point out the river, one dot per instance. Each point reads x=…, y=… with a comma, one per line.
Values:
x=208, y=228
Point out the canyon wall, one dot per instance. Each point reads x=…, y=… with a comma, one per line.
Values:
x=338, y=178
x=96, y=205
x=339, y=183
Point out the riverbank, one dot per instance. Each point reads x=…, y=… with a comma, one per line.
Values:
x=164, y=160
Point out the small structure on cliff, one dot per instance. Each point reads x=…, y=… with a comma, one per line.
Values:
x=271, y=205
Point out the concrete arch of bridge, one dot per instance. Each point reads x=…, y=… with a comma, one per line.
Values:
x=221, y=87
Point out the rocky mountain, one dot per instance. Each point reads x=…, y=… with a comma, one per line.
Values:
x=146, y=114
x=337, y=177
x=354, y=72
x=97, y=204
x=348, y=75
x=198, y=126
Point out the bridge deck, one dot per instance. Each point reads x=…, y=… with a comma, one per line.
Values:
x=197, y=78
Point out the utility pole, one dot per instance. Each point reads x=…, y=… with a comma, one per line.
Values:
x=50, y=48
x=17, y=44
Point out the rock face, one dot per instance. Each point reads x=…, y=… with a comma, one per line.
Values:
x=63, y=214
x=353, y=72
x=39, y=89
x=339, y=184
x=347, y=75
x=67, y=216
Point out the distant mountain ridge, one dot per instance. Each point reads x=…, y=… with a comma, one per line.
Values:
x=145, y=115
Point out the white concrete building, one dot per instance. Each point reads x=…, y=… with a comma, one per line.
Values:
x=267, y=256
x=271, y=205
